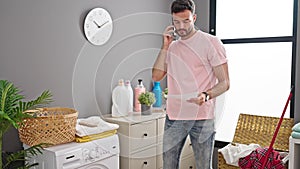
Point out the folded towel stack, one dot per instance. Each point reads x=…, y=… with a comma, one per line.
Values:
x=296, y=131
x=95, y=136
x=93, y=128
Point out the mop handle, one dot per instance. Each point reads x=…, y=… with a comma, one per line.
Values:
x=277, y=130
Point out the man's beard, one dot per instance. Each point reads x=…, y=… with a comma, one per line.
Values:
x=184, y=32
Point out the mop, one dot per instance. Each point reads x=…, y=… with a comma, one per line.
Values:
x=277, y=130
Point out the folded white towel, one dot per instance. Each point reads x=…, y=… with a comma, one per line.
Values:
x=92, y=121
x=232, y=153
x=98, y=126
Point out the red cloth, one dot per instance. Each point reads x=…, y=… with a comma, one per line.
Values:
x=256, y=158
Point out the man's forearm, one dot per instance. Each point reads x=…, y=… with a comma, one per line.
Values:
x=159, y=67
x=223, y=84
x=218, y=89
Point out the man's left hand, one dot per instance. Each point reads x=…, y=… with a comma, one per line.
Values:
x=199, y=100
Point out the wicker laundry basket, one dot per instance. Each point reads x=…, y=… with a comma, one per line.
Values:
x=49, y=125
x=259, y=130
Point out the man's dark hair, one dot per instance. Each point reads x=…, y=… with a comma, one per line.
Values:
x=181, y=5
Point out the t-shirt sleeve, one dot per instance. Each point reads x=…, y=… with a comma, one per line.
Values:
x=217, y=54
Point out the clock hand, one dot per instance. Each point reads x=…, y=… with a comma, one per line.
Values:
x=96, y=24
x=103, y=24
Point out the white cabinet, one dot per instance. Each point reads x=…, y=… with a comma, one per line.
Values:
x=141, y=138
x=294, y=153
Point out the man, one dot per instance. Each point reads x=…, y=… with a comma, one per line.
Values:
x=197, y=72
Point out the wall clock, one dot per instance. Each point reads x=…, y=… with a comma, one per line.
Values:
x=98, y=26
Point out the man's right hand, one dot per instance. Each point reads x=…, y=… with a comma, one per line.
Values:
x=168, y=36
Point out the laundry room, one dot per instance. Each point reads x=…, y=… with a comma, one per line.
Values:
x=67, y=59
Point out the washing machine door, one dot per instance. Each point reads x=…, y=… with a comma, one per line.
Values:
x=108, y=163
x=94, y=166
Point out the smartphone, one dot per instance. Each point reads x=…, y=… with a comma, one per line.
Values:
x=174, y=34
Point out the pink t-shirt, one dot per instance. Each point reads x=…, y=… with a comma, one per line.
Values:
x=189, y=72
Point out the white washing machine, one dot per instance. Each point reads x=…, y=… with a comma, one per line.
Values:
x=97, y=154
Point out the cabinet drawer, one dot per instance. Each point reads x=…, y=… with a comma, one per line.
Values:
x=147, y=163
x=187, y=162
x=142, y=135
x=145, y=159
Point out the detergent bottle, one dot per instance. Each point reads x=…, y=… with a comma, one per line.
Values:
x=130, y=99
x=120, y=100
x=137, y=92
x=158, y=94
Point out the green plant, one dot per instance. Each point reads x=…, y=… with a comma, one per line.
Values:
x=12, y=107
x=165, y=93
x=24, y=156
x=147, y=98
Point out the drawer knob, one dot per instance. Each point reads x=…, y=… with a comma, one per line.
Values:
x=145, y=162
x=145, y=134
x=191, y=167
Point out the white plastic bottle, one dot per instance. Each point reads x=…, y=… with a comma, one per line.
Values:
x=137, y=91
x=130, y=99
x=120, y=100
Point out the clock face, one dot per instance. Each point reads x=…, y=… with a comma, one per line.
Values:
x=98, y=26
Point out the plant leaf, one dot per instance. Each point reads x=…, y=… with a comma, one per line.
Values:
x=6, y=117
x=43, y=99
x=24, y=155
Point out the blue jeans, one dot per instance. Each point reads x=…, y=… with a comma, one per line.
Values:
x=202, y=137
